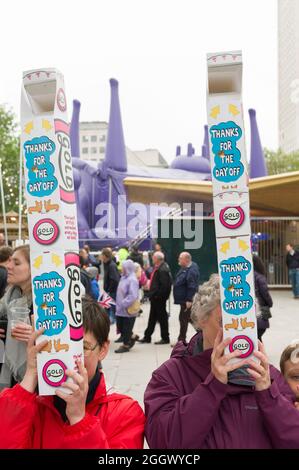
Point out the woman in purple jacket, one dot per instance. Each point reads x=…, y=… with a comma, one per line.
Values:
x=127, y=293
x=191, y=404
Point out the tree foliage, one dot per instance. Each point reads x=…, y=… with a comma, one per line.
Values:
x=279, y=162
x=9, y=156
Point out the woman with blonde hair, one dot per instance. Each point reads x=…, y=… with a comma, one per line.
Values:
x=19, y=294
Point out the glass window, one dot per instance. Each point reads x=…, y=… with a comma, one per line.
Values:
x=93, y=138
x=103, y=138
x=93, y=150
x=102, y=149
x=85, y=138
x=85, y=150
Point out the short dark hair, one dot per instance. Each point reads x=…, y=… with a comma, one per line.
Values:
x=107, y=252
x=5, y=253
x=286, y=355
x=258, y=265
x=95, y=320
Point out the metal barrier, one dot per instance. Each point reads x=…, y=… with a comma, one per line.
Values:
x=269, y=239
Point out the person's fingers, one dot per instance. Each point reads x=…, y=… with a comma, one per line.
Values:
x=227, y=357
x=2, y=331
x=41, y=345
x=71, y=386
x=81, y=368
x=75, y=376
x=22, y=326
x=22, y=338
x=262, y=350
x=16, y=332
x=2, y=336
x=66, y=397
x=296, y=404
x=261, y=347
x=254, y=374
x=257, y=367
x=261, y=356
x=35, y=335
x=221, y=347
x=237, y=365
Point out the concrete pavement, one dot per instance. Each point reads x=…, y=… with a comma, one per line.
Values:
x=130, y=372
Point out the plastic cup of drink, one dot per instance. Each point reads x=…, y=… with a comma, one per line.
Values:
x=20, y=316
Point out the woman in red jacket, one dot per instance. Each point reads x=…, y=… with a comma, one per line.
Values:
x=91, y=417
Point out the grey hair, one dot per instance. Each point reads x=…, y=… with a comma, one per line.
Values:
x=187, y=255
x=206, y=299
x=159, y=255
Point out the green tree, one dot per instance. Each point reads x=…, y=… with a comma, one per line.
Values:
x=9, y=156
x=279, y=162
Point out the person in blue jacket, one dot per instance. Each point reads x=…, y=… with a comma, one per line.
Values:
x=185, y=286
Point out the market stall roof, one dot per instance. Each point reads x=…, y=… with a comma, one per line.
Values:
x=276, y=195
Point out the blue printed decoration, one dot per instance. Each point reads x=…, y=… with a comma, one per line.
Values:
x=233, y=273
x=41, y=179
x=227, y=156
x=50, y=308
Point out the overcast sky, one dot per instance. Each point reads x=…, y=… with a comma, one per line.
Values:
x=156, y=49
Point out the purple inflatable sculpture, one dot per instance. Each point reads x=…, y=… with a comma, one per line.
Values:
x=100, y=193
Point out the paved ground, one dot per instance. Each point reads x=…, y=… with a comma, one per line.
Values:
x=130, y=372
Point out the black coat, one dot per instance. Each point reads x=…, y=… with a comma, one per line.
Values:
x=293, y=260
x=263, y=297
x=161, y=282
x=111, y=278
x=3, y=280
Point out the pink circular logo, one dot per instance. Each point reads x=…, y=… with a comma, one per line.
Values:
x=45, y=231
x=61, y=100
x=54, y=372
x=232, y=217
x=243, y=344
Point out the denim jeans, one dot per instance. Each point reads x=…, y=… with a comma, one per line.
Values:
x=111, y=313
x=294, y=279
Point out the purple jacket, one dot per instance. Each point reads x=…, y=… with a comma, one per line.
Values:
x=128, y=289
x=188, y=408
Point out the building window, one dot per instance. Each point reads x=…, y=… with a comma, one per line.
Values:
x=103, y=138
x=85, y=150
x=93, y=138
x=102, y=149
x=85, y=138
x=93, y=150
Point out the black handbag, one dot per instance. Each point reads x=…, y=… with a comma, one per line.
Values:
x=266, y=312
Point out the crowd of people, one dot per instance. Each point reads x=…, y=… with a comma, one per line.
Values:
x=197, y=399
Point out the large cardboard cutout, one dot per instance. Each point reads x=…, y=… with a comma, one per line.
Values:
x=52, y=222
x=231, y=200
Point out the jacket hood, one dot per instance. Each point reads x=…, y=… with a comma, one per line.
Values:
x=128, y=267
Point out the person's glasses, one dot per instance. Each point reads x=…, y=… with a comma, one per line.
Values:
x=88, y=349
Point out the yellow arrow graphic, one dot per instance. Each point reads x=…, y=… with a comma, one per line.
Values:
x=215, y=111
x=233, y=109
x=46, y=125
x=243, y=245
x=56, y=260
x=28, y=127
x=225, y=247
x=37, y=262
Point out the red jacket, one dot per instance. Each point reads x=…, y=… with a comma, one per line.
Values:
x=29, y=421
